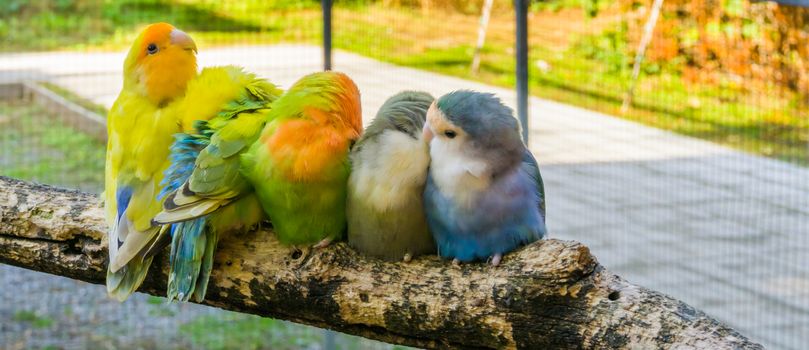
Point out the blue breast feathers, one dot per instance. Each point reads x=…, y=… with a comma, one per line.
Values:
x=504, y=217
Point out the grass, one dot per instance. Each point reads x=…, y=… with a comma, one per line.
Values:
x=36, y=148
x=232, y=330
x=239, y=331
x=32, y=318
x=53, y=25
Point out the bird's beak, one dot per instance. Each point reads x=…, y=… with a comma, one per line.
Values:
x=181, y=39
x=427, y=132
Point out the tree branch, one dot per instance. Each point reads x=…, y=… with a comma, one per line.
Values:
x=551, y=294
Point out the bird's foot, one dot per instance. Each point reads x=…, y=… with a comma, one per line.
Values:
x=456, y=262
x=264, y=225
x=323, y=243
x=407, y=257
x=495, y=259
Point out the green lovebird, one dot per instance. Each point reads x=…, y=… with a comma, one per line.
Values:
x=204, y=194
x=299, y=165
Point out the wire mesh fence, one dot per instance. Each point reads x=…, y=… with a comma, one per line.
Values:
x=698, y=188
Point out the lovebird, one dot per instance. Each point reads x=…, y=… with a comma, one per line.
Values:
x=204, y=195
x=294, y=162
x=484, y=195
x=299, y=166
x=157, y=70
x=389, y=164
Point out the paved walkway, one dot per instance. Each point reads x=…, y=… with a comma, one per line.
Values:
x=725, y=231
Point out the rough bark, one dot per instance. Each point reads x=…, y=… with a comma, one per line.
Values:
x=551, y=294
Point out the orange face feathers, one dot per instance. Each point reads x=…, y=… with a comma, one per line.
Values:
x=322, y=117
x=349, y=103
x=161, y=62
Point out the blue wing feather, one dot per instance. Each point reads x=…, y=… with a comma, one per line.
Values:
x=184, y=153
x=188, y=238
x=122, y=197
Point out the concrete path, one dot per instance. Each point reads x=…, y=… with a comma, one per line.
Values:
x=726, y=231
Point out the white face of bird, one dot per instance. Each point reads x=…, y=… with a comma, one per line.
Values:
x=457, y=171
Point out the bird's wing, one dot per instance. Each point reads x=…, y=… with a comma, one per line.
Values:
x=136, y=158
x=530, y=165
x=215, y=179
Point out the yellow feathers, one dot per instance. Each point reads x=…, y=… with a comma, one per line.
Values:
x=137, y=152
x=213, y=88
x=140, y=130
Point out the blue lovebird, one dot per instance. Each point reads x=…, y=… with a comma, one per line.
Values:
x=484, y=195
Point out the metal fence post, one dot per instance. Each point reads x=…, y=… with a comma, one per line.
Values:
x=326, y=5
x=521, y=12
x=329, y=342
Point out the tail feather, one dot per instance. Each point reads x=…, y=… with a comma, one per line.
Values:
x=190, y=245
x=207, y=265
x=125, y=281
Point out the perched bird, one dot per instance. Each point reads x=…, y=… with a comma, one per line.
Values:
x=294, y=159
x=388, y=170
x=157, y=69
x=299, y=165
x=484, y=195
x=222, y=113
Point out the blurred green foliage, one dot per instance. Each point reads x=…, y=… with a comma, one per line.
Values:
x=55, y=154
x=240, y=331
x=33, y=318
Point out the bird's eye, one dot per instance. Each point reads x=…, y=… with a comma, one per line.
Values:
x=152, y=49
x=449, y=133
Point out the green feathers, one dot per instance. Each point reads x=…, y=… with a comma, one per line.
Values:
x=206, y=194
x=299, y=166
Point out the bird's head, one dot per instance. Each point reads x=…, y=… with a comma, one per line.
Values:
x=477, y=127
x=404, y=112
x=336, y=95
x=160, y=63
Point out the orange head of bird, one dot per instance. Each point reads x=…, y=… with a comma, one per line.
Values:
x=160, y=63
x=348, y=103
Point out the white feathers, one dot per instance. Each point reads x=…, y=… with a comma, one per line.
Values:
x=477, y=168
x=117, y=236
x=456, y=174
x=134, y=243
x=403, y=161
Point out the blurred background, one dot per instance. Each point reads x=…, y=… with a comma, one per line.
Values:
x=673, y=137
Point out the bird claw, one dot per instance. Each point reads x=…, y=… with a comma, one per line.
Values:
x=495, y=259
x=322, y=244
x=456, y=262
x=264, y=224
x=407, y=257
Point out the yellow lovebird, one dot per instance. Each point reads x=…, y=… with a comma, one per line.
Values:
x=140, y=128
x=163, y=119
